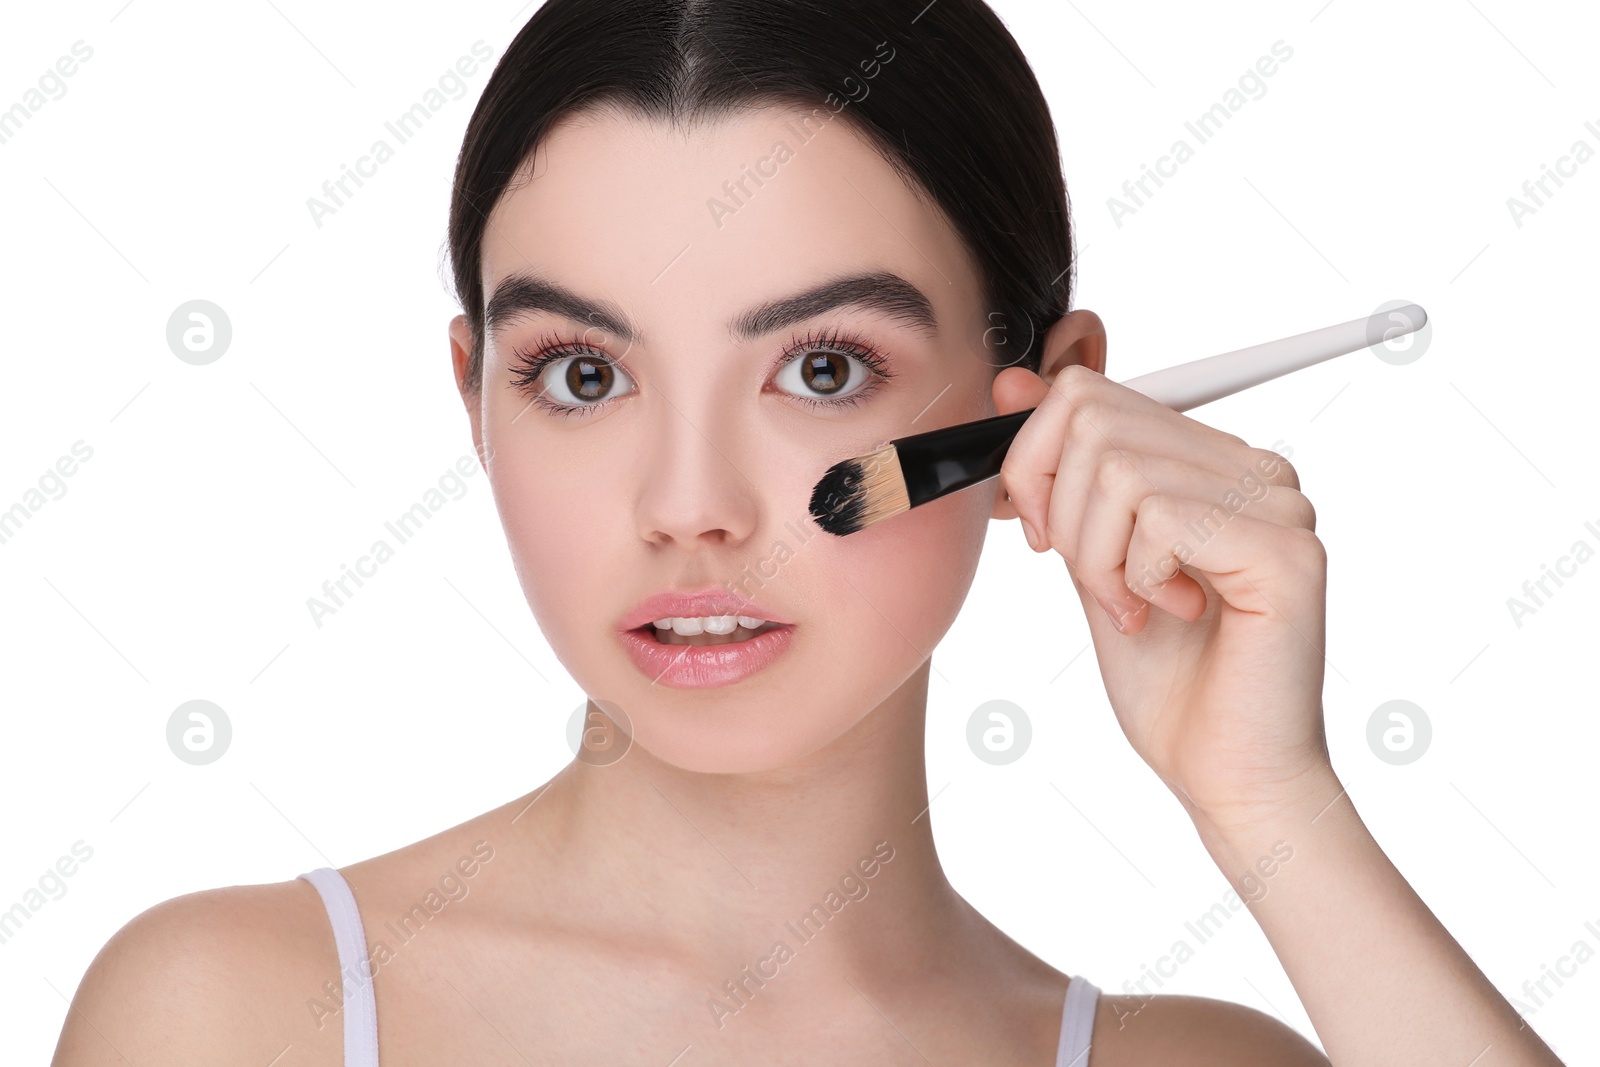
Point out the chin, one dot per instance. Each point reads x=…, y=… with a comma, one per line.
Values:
x=736, y=737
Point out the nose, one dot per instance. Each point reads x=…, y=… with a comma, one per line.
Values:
x=695, y=486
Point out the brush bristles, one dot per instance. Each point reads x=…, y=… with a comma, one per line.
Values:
x=855, y=493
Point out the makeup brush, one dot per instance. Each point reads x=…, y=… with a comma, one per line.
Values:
x=910, y=471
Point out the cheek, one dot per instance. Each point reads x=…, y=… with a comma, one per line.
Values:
x=549, y=513
x=908, y=576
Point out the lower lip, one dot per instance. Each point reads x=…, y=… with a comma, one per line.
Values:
x=706, y=666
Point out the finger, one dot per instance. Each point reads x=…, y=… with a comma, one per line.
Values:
x=1256, y=566
x=1253, y=471
x=1129, y=478
x=1083, y=415
x=1104, y=531
x=1096, y=538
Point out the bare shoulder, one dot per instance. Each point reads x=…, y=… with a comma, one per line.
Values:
x=1131, y=1031
x=221, y=975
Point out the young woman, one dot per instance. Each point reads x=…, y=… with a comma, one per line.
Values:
x=704, y=249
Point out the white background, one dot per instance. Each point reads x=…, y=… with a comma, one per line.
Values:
x=1377, y=165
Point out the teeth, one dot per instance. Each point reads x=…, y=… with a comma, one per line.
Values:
x=710, y=629
x=711, y=624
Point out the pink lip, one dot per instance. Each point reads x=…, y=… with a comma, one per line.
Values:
x=704, y=666
x=714, y=601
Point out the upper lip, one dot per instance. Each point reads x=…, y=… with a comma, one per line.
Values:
x=713, y=601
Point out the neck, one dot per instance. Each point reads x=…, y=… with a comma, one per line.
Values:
x=719, y=869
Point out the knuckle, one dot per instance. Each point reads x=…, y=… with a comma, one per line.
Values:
x=1305, y=513
x=1076, y=380
x=1275, y=468
x=1114, y=471
x=1085, y=418
x=1016, y=479
x=1156, y=508
x=1236, y=440
x=1307, y=546
x=1010, y=472
x=1023, y=499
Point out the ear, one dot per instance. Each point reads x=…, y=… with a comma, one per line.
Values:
x=1077, y=339
x=472, y=398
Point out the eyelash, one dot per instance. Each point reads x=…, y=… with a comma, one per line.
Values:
x=529, y=365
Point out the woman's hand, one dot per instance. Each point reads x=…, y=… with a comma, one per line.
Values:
x=1200, y=574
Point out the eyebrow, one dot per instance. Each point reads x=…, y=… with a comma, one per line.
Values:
x=882, y=291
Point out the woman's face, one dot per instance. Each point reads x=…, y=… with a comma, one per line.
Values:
x=707, y=407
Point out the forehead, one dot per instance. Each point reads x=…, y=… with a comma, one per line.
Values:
x=688, y=227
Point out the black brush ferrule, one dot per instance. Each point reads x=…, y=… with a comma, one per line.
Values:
x=942, y=461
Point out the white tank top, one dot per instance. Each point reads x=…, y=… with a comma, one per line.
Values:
x=360, y=1008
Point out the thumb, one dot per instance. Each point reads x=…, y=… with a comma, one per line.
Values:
x=1017, y=389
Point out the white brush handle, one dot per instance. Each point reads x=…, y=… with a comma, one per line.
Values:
x=1188, y=385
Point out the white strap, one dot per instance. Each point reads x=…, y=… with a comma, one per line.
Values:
x=360, y=1006
x=1077, y=1022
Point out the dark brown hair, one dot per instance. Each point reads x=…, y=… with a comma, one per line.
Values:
x=954, y=108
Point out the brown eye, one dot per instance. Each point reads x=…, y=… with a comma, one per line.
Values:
x=589, y=379
x=571, y=382
x=819, y=374
x=826, y=372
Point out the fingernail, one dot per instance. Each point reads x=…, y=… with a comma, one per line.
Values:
x=1033, y=538
x=1116, y=618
